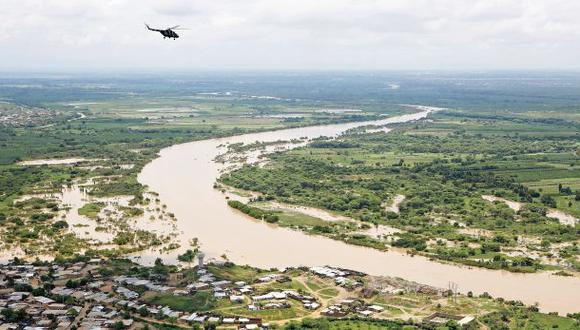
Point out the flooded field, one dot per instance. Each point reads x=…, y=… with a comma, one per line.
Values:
x=394, y=206
x=184, y=176
x=310, y=211
x=64, y=161
x=98, y=221
x=563, y=218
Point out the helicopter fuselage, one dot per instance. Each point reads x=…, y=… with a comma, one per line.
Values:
x=169, y=34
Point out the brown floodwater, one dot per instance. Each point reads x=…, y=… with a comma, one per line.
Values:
x=184, y=175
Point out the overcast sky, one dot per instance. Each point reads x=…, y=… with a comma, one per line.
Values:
x=290, y=34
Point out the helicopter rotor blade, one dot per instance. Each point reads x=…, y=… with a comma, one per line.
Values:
x=173, y=28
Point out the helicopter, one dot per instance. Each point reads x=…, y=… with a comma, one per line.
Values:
x=167, y=33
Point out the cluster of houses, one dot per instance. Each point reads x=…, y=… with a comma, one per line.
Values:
x=134, y=281
x=240, y=322
x=100, y=316
x=221, y=289
x=79, y=295
x=20, y=304
x=350, y=307
x=279, y=300
x=242, y=292
x=341, y=277
x=13, y=115
x=59, y=297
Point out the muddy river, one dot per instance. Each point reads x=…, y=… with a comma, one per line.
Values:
x=184, y=175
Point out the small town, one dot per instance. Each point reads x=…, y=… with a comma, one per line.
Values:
x=94, y=293
x=14, y=115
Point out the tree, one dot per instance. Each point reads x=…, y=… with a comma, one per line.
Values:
x=160, y=268
x=118, y=325
x=548, y=201
x=143, y=311
x=187, y=256
x=209, y=326
x=14, y=316
x=72, y=312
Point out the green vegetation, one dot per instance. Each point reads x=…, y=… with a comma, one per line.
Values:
x=514, y=317
x=234, y=272
x=254, y=212
x=188, y=256
x=340, y=324
x=200, y=301
x=508, y=318
x=295, y=311
x=91, y=210
x=442, y=168
x=328, y=292
x=130, y=212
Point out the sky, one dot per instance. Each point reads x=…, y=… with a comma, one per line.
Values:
x=92, y=35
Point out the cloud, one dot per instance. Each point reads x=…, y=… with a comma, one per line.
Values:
x=291, y=34
x=178, y=8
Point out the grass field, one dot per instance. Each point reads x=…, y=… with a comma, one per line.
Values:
x=236, y=273
x=296, y=310
x=90, y=210
x=201, y=301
